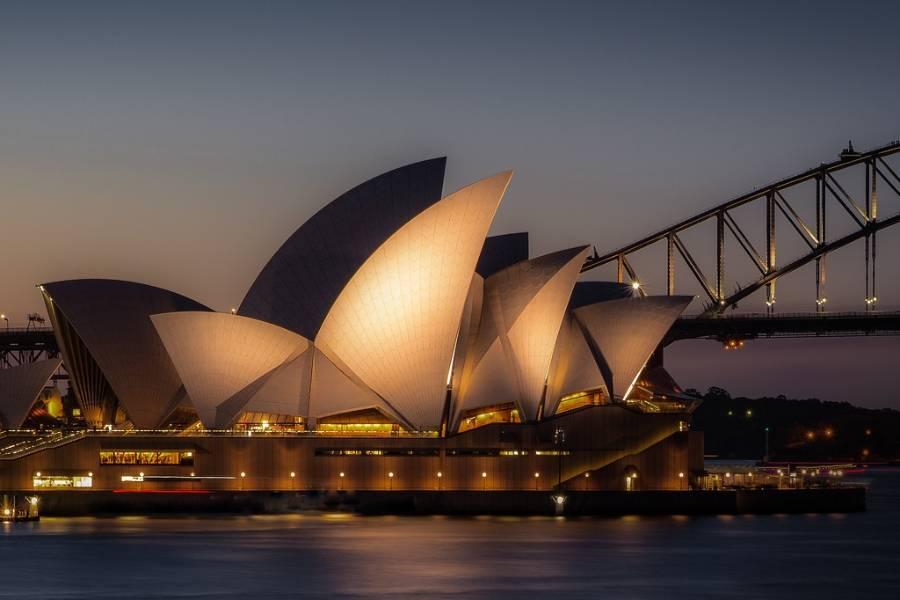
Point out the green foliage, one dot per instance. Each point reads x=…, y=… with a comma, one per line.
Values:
x=798, y=429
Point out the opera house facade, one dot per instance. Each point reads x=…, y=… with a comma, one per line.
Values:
x=388, y=344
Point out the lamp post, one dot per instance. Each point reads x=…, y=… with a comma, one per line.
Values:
x=5, y=318
x=536, y=477
x=341, y=481
x=390, y=480
x=766, y=455
x=681, y=479
x=243, y=475
x=293, y=480
x=440, y=476
x=483, y=480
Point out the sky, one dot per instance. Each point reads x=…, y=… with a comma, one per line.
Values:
x=180, y=143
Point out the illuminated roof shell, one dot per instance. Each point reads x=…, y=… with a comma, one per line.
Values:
x=623, y=334
x=396, y=322
x=226, y=361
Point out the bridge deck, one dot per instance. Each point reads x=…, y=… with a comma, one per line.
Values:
x=748, y=326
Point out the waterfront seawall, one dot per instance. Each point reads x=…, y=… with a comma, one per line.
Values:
x=576, y=503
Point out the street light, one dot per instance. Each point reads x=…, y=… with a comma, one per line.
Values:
x=483, y=480
x=5, y=318
x=439, y=476
x=681, y=479
x=391, y=480
x=341, y=484
x=536, y=477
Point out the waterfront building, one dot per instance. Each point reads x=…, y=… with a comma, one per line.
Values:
x=388, y=344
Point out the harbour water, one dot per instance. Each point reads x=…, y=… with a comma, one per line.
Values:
x=346, y=556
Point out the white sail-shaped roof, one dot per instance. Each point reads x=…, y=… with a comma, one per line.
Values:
x=524, y=306
x=220, y=356
x=396, y=322
x=20, y=387
x=625, y=333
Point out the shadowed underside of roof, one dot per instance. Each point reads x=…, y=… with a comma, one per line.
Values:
x=20, y=388
x=502, y=251
x=111, y=318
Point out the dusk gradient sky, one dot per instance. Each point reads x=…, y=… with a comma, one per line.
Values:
x=180, y=143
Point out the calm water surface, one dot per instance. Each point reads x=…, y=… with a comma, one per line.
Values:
x=340, y=556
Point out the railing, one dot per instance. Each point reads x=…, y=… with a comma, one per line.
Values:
x=209, y=433
x=800, y=315
x=37, y=444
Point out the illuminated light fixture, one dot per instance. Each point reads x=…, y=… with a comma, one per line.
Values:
x=587, y=474
x=90, y=473
x=439, y=474
x=141, y=474
x=391, y=474
x=341, y=474
x=727, y=474
x=243, y=474
x=189, y=454
x=293, y=474
x=6, y=512
x=635, y=285
x=234, y=311
x=38, y=474
x=681, y=475
x=483, y=474
x=33, y=500
x=536, y=474
x=192, y=474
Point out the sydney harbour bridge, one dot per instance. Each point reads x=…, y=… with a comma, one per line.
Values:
x=725, y=227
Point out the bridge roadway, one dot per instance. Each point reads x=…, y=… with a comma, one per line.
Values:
x=733, y=327
x=787, y=325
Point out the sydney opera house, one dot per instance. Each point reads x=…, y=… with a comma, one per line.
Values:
x=388, y=344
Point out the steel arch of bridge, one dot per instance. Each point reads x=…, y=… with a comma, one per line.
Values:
x=864, y=215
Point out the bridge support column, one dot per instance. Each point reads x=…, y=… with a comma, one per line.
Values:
x=770, y=250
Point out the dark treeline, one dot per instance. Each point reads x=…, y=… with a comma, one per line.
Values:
x=798, y=429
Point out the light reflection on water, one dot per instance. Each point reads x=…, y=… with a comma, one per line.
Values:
x=345, y=556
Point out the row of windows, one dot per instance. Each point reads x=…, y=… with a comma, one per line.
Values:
x=377, y=452
x=147, y=457
x=435, y=452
